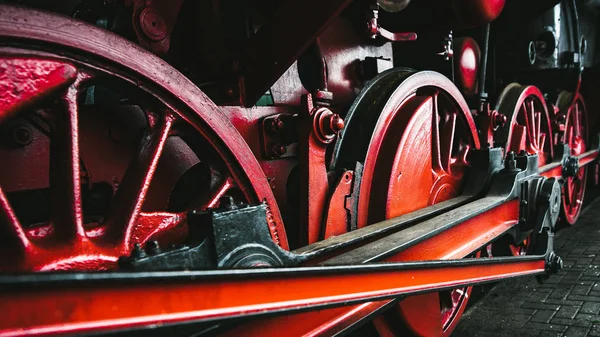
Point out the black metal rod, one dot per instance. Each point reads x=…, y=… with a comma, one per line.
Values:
x=484, y=61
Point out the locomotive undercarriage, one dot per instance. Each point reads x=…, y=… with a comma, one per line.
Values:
x=372, y=201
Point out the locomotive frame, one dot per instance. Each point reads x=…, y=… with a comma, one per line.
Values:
x=320, y=213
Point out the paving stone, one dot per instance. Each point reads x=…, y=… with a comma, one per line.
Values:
x=563, y=302
x=537, y=296
x=590, y=308
x=562, y=292
x=543, y=316
x=567, y=312
x=586, y=298
x=550, y=334
x=540, y=306
x=546, y=326
x=595, y=331
x=581, y=290
x=574, y=331
x=571, y=322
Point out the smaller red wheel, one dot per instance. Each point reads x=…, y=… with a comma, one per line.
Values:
x=528, y=129
x=576, y=136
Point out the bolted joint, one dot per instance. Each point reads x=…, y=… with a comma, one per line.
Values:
x=275, y=125
x=498, y=119
x=137, y=252
x=510, y=164
x=327, y=124
x=571, y=167
x=277, y=150
x=151, y=24
x=323, y=98
x=333, y=124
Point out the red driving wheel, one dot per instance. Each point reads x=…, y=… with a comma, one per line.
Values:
x=528, y=129
x=108, y=147
x=576, y=136
x=422, y=132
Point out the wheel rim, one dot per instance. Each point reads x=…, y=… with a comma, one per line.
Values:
x=522, y=105
x=576, y=136
x=404, y=144
x=66, y=240
x=529, y=122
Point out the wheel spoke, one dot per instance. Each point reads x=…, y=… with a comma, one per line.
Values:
x=447, y=141
x=13, y=232
x=531, y=123
x=577, y=121
x=569, y=136
x=131, y=194
x=569, y=191
x=225, y=186
x=538, y=129
x=436, y=153
x=65, y=180
x=518, y=139
x=148, y=225
x=542, y=142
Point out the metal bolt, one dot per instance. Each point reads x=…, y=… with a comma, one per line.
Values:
x=498, y=119
x=333, y=124
x=510, y=164
x=152, y=25
x=571, y=167
x=226, y=202
x=22, y=135
x=277, y=150
x=275, y=125
x=137, y=252
x=531, y=52
x=152, y=248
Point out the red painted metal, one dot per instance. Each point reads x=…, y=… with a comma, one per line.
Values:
x=576, y=136
x=337, y=221
x=528, y=128
x=467, y=56
x=418, y=155
x=325, y=322
x=472, y=13
x=104, y=306
x=65, y=242
x=408, y=154
x=200, y=112
x=407, y=107
x=318, y=128
x=153, y=22
x=132, y=192
x=23, y=81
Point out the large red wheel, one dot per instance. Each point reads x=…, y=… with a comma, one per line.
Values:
x=528, y=129
x=576, y=136
x=108, y=147
x=420, y=131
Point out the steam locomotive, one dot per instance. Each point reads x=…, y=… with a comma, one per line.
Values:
x=285, y=167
